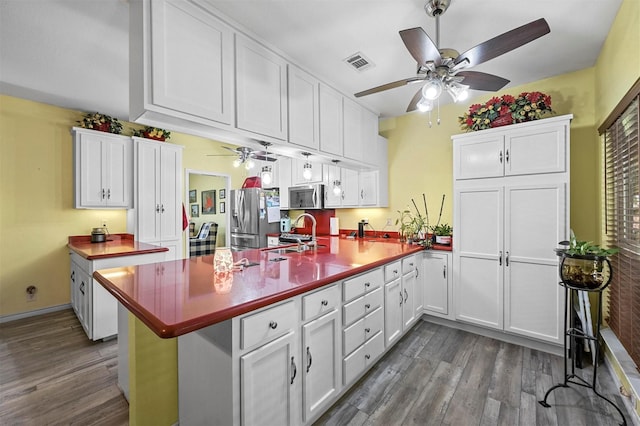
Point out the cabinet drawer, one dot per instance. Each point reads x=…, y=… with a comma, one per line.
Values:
x=319, y=302
x=409, y=264
x=363, y=357
x=358, y=333
x=359, y=285
x=267, y=325
x=392, y=271
x=362, y=305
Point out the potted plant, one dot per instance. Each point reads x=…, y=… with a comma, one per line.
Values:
x=442, y=234
x=153, y=133
x=585, y=265
x=410, y=226
x=101, y=122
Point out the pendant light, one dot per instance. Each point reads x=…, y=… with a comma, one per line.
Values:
x=266, y=175
x=307, y=173
x=337, y=185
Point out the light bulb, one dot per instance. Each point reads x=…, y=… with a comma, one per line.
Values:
x=266, y=176
x=250, y=164
x=336, y=187
x=307, y=173
x=424, y=105
x=237, y=162
x=458, y=92
x=432, y=89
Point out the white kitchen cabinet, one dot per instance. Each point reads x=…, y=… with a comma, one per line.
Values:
x=95, y=307
x=349, y=186
x=321, y=372
x=368, y=188
x=297, y=168
x=284, y=180
x=403, y=303
x=303, y=106
x=504, y=265
x=412, y=295
x=157, y=217
x=270, y=377
x=438, y=292
x=261, y=89
x=331, y=121
x=173, y=84
x=529, y=148
x=353, y=132
x=103, y=169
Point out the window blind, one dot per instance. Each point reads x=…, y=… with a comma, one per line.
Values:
x=622, y=225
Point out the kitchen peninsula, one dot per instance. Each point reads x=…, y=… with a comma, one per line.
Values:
x=345, y=291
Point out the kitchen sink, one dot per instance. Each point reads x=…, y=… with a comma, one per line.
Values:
x=294, y=249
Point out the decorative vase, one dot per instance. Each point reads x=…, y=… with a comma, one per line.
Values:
x=503, y=120
x=102, y=127
x=157, y=138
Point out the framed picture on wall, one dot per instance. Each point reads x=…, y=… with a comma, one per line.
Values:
x=193, y=196
x=222, y=194
x=222, y=207
x=195, y=210
x=209, y=202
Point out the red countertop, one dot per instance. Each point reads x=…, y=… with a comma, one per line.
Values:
x=176, y=297
x=115, y=246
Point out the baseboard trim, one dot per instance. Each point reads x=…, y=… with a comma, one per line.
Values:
x=22, y=315
x=623, y=370
x=498, y=335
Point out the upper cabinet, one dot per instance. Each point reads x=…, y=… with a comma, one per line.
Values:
x=181, y=64
x=103, y=169
x=528, y=148
x=331, y=121
x=303, y=108
x=261, y=89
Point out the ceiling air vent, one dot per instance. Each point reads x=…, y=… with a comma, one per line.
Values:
x=359, y=61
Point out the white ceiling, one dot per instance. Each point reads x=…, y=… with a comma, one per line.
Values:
x=74, y=53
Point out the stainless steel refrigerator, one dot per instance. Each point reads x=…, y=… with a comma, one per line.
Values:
x=254, y=214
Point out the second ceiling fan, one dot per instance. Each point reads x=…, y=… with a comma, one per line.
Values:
x=443, y=69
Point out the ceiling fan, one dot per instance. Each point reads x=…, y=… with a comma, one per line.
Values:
x=442, y=69
x=246, y=155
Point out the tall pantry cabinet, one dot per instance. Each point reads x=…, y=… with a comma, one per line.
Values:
x=511, y=208
x=157, y=215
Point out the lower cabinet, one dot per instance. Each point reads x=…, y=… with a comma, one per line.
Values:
x=95, y=307
x=402, y=306
x=438, y=294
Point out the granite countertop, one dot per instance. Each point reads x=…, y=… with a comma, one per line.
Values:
x=176, y=297
x=115, y=246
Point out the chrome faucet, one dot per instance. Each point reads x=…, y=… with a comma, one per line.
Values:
x=313, y=232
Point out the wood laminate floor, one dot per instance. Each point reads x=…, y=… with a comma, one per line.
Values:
x=51, y=374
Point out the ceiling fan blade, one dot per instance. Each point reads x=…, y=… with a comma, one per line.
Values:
x=504, y=43
x=388, y=86
x=263, y=158
x=413, y=105
x=234, y=150
x=482, y=81
x=421, y=47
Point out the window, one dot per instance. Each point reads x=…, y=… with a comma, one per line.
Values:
x=622, y=222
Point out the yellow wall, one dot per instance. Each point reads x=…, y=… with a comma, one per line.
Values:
x=36, y=199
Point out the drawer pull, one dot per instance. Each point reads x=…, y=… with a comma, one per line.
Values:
x=294, y=370
x=367, y=306
x=367, y=284
x=324, y=302
x=273, y=325
x=309, y=359
x=367, y=330
x=367, y=356
x=395, y=272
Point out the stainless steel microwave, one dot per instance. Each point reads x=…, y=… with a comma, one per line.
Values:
x=306, y=196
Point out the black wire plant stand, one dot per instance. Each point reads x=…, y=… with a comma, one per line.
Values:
x=574, y=280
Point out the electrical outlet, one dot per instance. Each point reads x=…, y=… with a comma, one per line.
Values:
x=104, y=223
x=365, y=221
x=388, y=222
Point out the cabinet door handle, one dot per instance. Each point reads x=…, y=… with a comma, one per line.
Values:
x=309, y=359
x=506, y=157
x=362, y=194
x=417, y=272
x=81, y=288
x=444, y=271
x=400, y=298
x=500, y=156
x=157, y=208
x=500, y=258
x=367, y=356
x=73, y=276
x=103, y=193
x=162, y=208
x=273, y=325
x=506, y=259
x=294, y=370
x=108, y=194
x=367, y=330
x=406, y=295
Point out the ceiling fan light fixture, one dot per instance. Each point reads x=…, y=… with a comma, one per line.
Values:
x=432, y=89
x=458, y=92
x=237, y=162
x=249, y=164
x=425, y=105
